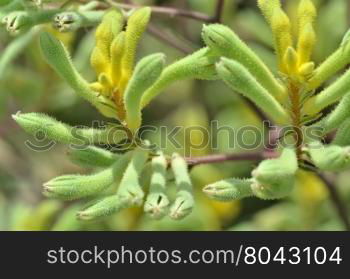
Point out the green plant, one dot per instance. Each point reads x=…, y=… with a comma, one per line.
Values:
x=294, y=97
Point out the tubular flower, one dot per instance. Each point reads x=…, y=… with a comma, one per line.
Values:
x=113, y=57
x=294, y=62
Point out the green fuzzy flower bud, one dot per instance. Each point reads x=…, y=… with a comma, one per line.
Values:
x=224, y=42
x=17, y=22
x=237, y=77
x=72, y=21
x=342, y=137
x=130, y=190
x=20, y=21
x=147, y=71
x=34, y=123
x=92, y=156
x=71, y=187
x=328, y=96
x=275, y=178
x=57, y=56
x=331, y=157
x=229, y=189
x=102, y=208
x=137, y=24
x=157, y=202
x=337, y=116
x=199, y=65
x=184, y=201
x=334, y=63
x=10, y=6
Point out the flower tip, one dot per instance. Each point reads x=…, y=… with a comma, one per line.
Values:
x=47, y=190
x=156, y=211
x=16, y=115
x=209, y=190
x=83, y=216
x=160, y=57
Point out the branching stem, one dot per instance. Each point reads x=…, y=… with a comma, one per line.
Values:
x=219, y=158
x=168, y=11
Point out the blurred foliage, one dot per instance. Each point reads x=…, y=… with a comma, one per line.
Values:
x=28, y=84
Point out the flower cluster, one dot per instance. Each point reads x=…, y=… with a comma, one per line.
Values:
x=124, y=87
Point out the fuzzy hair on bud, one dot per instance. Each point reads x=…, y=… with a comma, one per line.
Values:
x=268, y=7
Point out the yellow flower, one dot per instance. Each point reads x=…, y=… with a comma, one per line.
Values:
x=113, y=57
x=294, y=61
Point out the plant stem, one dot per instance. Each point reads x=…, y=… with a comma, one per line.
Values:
x=167, y=10
x=294, y=96
x=219, y=158
x=218, y=12
x=170, y=40
x=338, y=203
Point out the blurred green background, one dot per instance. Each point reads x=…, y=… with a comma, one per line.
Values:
x=28, y=84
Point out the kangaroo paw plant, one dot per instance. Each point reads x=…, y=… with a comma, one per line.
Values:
x=302, y=96
x=120, y=92
x=296, y=97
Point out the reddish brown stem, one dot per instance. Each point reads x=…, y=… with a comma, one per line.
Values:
x=296, y=116
x=218, y=11
x=219, y=158
x=168, y=11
